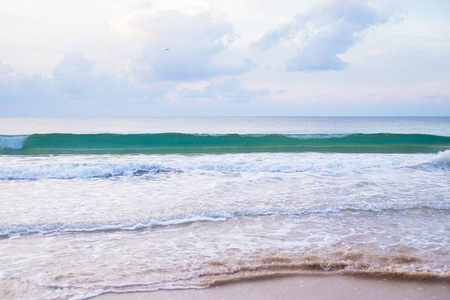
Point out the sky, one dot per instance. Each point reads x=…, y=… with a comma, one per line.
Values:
x=110, y=58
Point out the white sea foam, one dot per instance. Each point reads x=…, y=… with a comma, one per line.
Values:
x=442, y=158
x=74, y=170
x=12, y=142
x=315, y=136
x=125, y=226
x=69, y=167
x=203, y=217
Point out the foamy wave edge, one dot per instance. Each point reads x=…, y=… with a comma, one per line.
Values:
x=17, y=230
x=272, y=271
x=35, y=171
x=442, y=157
x=152, y=165
x=12, y=142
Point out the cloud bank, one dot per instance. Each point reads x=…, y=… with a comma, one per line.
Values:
x=178, y=47
x=229, y=89
x=74, y=78
x=322, y=33
x=15, y=86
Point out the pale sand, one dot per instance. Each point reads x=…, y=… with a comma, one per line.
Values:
x=303, y=287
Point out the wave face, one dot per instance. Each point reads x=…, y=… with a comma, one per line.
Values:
x=179, y=143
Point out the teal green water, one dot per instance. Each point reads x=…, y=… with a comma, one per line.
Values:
x=169, y=143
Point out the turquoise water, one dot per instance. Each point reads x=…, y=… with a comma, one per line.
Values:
x=97, y=205
x=169, y=143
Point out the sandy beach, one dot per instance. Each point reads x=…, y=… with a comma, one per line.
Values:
x=302, y=287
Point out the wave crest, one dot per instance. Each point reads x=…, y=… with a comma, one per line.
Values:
x=442, y=158
x=77, y=170
x=178, y=143
x=12, y=142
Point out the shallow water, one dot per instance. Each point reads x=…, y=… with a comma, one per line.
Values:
x=78, y=225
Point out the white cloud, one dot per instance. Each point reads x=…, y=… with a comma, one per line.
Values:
x=229, y=89
x=75, y=78
x=74, y=74
x=15, y=86
x=322, y=33
x=193, y=42
x=208, y=69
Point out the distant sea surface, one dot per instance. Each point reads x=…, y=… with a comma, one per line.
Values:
x=97, y=205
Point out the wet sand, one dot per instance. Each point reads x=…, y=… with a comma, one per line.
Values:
x=302, y=287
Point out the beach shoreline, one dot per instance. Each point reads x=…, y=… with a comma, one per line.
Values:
x=302, y=287
x=98, y=206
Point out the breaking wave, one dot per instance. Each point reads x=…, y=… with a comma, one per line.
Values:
x=179, y=143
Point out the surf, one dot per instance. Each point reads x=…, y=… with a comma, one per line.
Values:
x=156, y=166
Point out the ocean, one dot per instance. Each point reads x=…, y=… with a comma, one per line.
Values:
x=97, y=205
